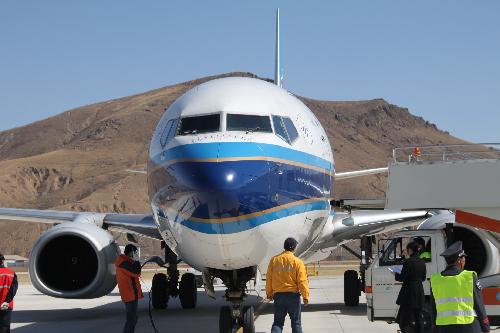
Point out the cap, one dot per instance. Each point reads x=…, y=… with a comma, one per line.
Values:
x=420, y=241
x=290, y=244
x=453, y=252
x=129, y=248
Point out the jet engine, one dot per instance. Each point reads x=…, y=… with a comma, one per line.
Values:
x=483, y=255
x=74, y=260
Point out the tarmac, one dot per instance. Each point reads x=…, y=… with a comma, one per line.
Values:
x=35, y=312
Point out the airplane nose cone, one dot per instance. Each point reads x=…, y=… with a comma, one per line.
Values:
x=231, y=187
x=225, y=186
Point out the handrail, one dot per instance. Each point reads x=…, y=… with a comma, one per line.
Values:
x=432, y=153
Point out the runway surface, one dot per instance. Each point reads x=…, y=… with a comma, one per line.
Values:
x=35, y=312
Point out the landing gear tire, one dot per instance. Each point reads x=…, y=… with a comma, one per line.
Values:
x=225, y=320
x=351, y=288
x=159, y=291
x=187, y=291
x=248, y=320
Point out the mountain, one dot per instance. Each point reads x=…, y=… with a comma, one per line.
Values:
x=78, y=159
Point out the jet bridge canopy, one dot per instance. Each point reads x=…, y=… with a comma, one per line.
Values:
x=465, y=178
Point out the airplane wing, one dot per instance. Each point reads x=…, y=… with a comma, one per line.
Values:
x=138, y=224
x=343, y=227
x=367, y=223
x=359, y=173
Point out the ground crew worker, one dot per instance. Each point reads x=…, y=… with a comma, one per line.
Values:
x=424, y=253
x=8, y=289
x=128, y=270
x=456, y=296
x=286, y=281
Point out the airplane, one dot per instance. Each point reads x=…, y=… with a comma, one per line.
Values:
x=236, y=166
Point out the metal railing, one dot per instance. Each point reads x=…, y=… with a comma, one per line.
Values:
x=440, y=153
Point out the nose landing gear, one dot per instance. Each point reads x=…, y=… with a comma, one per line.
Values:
x=236, y=316
x=231, y=319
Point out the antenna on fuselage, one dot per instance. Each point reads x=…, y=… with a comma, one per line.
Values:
x=278, y=70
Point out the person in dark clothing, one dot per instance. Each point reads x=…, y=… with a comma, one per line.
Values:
x=128, y=271
x=8, y=289
x=478, y=320
x=424, y=251
x=411, y=298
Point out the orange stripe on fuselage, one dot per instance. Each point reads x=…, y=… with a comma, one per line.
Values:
x=244, y=217
x=491, y=296
x=477, y=221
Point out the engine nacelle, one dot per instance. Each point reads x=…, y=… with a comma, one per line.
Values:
x=483, y=255
x=74, y=260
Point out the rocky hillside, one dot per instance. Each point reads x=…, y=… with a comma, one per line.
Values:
x=77, y=160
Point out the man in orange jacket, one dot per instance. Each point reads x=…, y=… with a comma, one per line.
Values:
x=286, y=281
x=128, y=270
x=8, y=289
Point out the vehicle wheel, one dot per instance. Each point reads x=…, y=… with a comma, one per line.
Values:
x=225, y=320
x=248, y=320
x=187, y=291
x=351, y=288
x=159, y=291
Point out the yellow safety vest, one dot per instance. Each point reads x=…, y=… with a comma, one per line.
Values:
x=454, y=297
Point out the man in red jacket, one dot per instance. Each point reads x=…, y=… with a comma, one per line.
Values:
x=128, y=270
x=8, y=289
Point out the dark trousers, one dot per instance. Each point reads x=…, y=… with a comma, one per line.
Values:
x=410, y=318
x=131, y=309
x=287, y=303
x=5, y=321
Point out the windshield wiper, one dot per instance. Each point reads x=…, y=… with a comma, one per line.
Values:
x=251, y=130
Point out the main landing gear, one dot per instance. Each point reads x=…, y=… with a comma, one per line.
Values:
x=167, y=285
x=354, y=284
x=236, y=316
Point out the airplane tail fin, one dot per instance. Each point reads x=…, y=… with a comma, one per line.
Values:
x=278, y=70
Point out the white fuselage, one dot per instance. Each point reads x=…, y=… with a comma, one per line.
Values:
x=230, y=178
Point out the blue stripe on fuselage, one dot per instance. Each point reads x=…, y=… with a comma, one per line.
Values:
x=254, y=186
x=250, y=223
x=243, y=150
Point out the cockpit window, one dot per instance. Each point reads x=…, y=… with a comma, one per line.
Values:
x=284, y=128
x=248, y=123
x=290, y=129
x=169, y=131
x=199, y=124
x=279, y=128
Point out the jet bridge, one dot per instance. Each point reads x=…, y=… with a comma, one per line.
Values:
x=464, y=178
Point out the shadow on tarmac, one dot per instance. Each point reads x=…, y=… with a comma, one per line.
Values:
x=338, y=308
x=110, y=317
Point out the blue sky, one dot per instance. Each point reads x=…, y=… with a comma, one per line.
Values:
x=441, y=59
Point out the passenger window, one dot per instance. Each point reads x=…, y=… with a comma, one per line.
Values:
x=290, y=129
x=199, y=124
x=279, y=128
x=248, y=123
